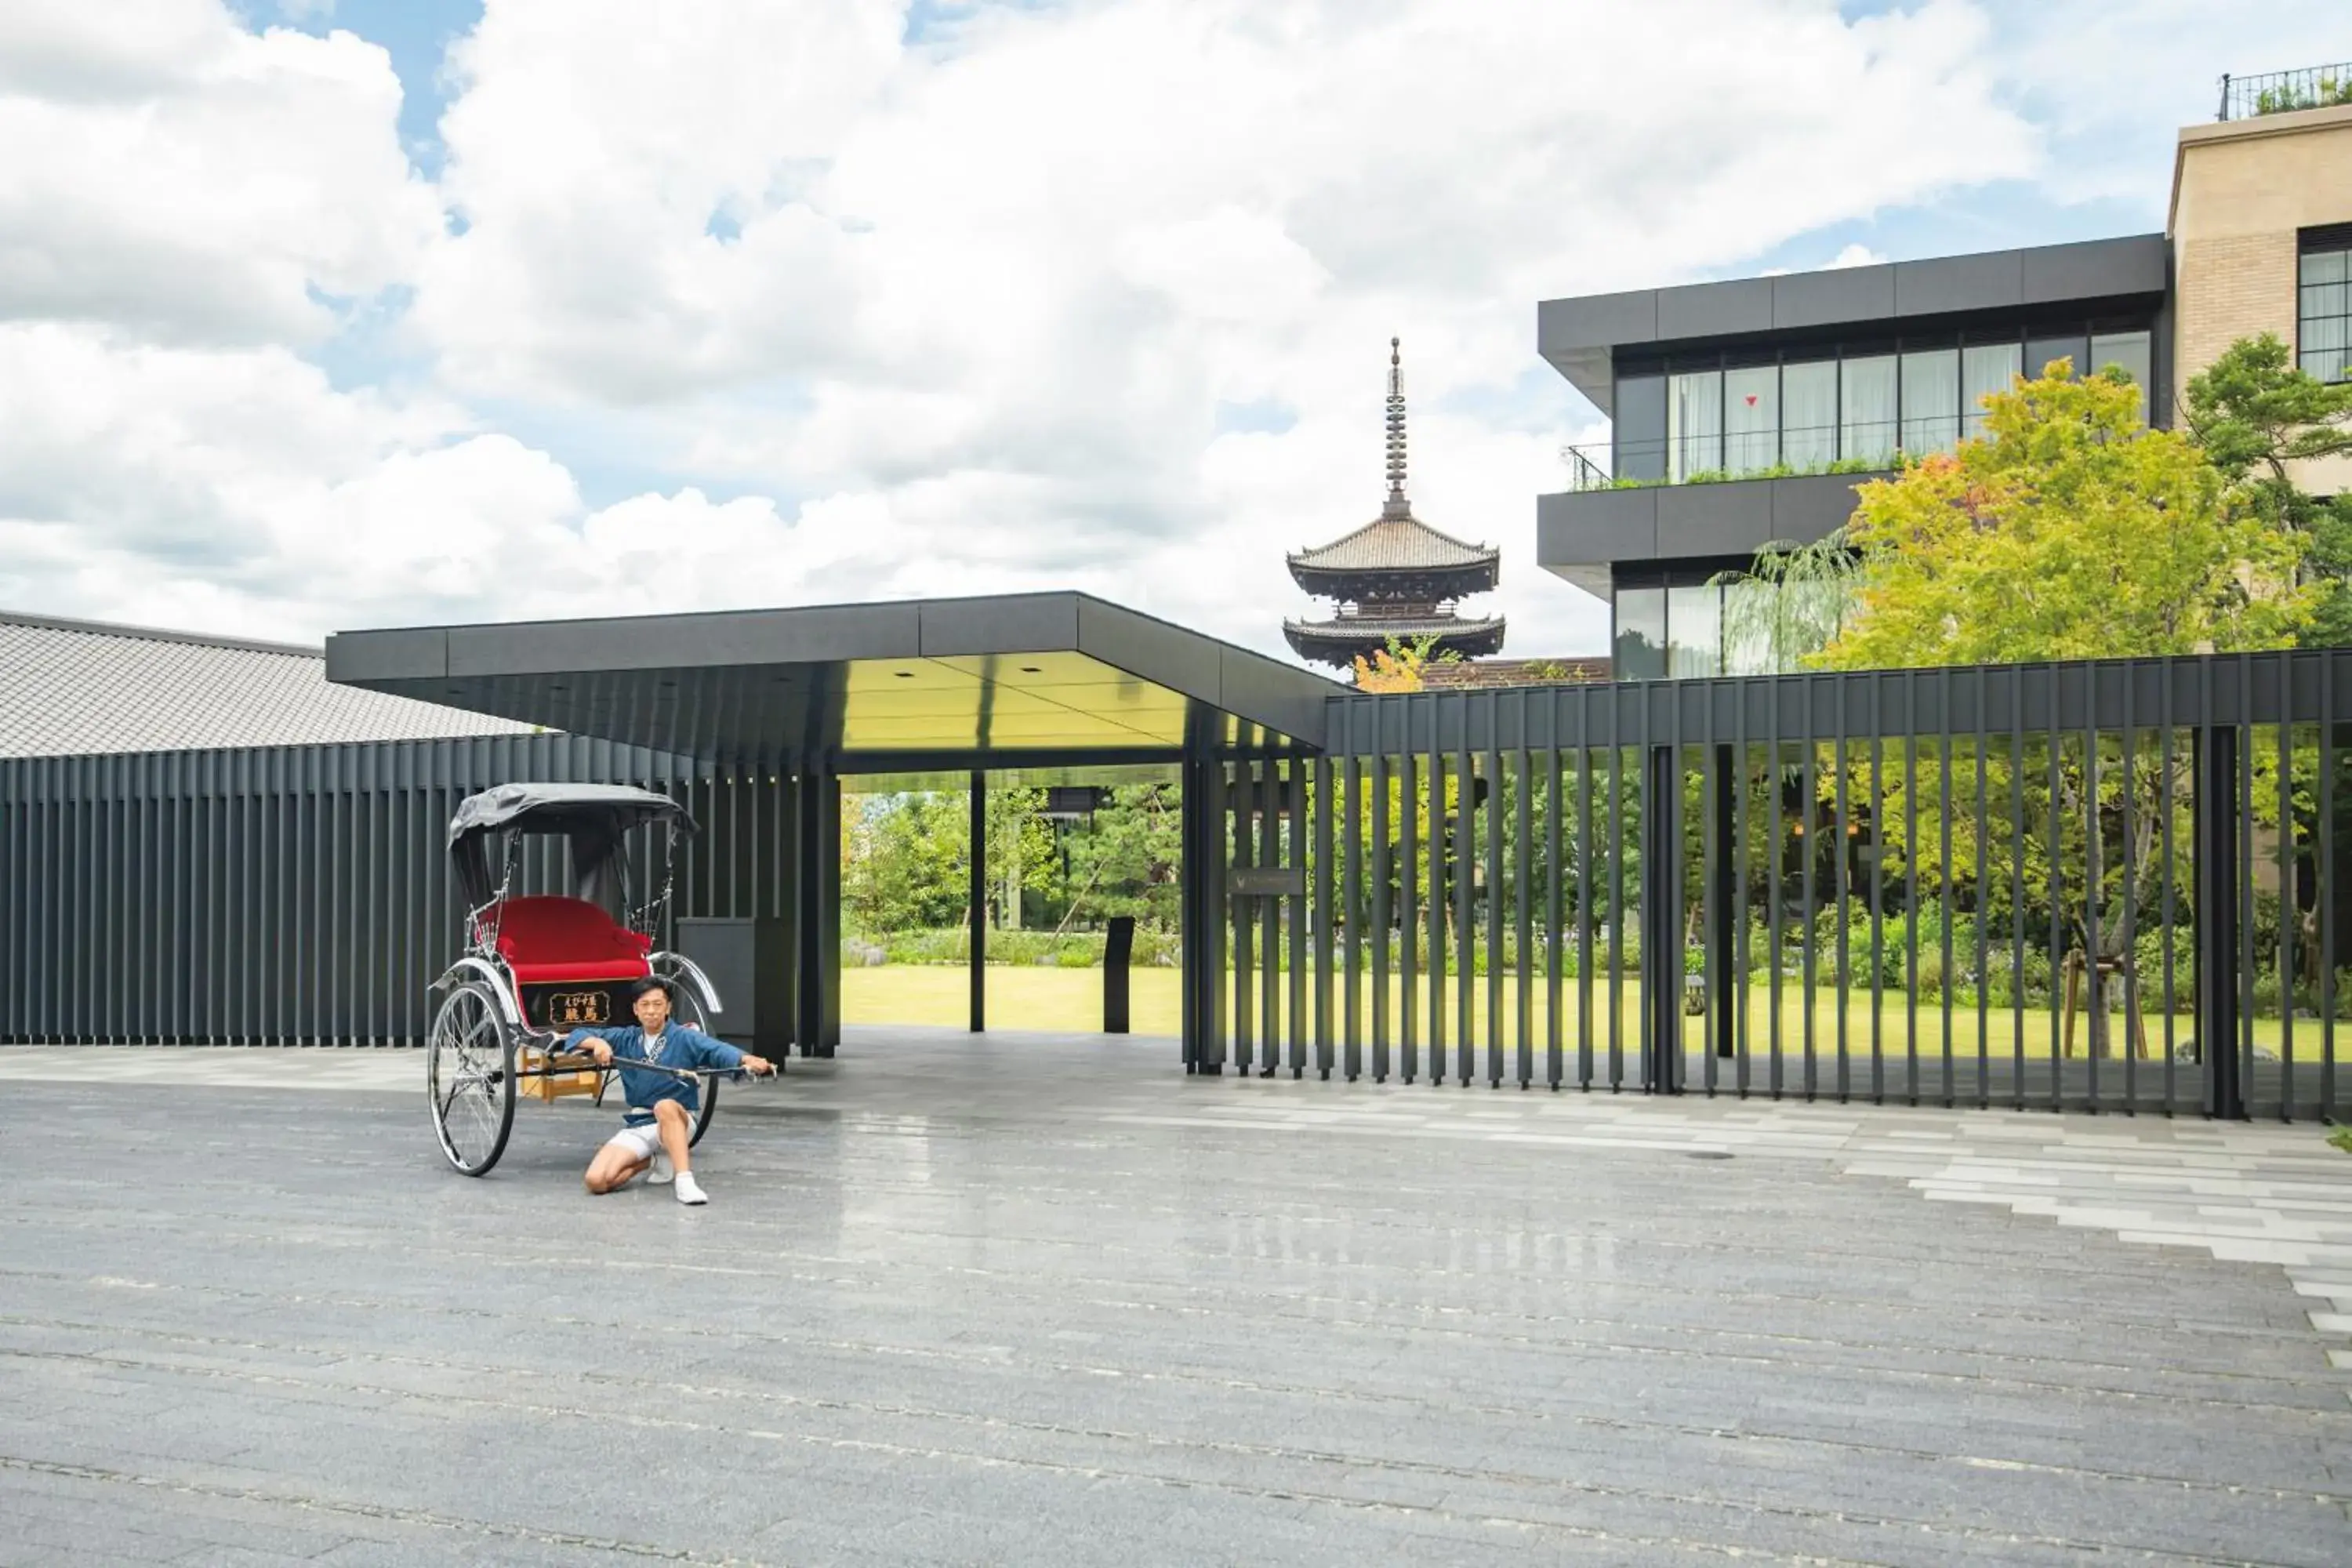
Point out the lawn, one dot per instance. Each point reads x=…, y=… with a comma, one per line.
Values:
x=1070, y=1000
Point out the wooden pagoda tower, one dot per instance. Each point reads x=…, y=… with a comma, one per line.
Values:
x=1396, y=576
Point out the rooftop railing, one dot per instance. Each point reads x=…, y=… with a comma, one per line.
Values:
x=2282, y=92
x=1856, y=447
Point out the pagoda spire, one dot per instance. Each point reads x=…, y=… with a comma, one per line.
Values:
x=1397, y=506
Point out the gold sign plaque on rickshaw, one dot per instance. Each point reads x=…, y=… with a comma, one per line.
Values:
x=572, y=1009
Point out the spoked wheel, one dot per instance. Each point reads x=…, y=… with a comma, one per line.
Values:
x=689, y=1011
x=469, y=1075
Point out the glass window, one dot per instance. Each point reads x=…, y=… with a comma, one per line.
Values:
x=1639, y=428
x=1866, y=408
x=1751, y=418
x=1931, y=400
x=1694, y=424
x=1809, y=414
x=2323, y=323
x=1985, y=369
x=2040, y=351
x=1694, y=633
x=2128, y=352
x=1641, y=634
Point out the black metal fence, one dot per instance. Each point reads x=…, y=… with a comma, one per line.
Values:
x=2111, y=886
x=2282, y=92
x=301, y=895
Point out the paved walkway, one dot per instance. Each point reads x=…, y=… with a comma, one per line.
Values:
x=1031, y=1298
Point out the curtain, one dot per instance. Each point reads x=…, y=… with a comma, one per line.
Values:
x=1866, y=408
x=1809, y=414
x=1694, y=424
x=1931, y=400
x=1694, y=633
x=1985, y=369
x=2128, y=352
x=1751, y=418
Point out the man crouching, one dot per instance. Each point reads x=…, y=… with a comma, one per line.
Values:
x=659, y=1122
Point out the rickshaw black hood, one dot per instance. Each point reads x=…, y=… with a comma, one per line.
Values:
x=592, y=818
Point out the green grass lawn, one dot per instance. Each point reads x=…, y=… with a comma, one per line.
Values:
x=1070, y=1000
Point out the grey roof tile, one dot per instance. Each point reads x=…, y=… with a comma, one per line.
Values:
x=79, y=688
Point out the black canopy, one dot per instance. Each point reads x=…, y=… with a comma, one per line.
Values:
x=593, y=817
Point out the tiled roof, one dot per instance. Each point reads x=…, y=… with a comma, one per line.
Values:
x=77, y=688
x=1392, y=543
x=1374, y=631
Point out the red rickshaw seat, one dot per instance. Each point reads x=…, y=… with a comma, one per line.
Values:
x=549, y=939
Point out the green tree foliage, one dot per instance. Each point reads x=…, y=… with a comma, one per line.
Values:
x=2073, y=531
x=2259, y=418
x=1127, y=860
x=1792, y=603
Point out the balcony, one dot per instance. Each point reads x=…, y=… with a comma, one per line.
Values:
x=1715, y=457
x=2283, y=92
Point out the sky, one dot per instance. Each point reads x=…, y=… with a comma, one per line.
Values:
x=319, y=314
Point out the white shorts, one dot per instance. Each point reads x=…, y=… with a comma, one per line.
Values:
x=641, y=1143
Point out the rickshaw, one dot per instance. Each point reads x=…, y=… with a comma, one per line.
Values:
x=538, y=965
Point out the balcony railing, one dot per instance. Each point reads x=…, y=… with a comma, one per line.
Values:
x=1862, y=446
x=2282, y=92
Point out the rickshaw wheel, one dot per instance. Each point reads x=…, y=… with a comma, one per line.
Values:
x=689, y=1013
x=470, y=1078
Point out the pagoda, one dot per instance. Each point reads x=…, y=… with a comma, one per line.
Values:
x=1395, y=577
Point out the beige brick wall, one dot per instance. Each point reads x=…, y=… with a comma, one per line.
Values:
x=2230, y=287
x=2240, y=192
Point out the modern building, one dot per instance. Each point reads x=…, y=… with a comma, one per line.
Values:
x=1746, y=411
x=1396, y=578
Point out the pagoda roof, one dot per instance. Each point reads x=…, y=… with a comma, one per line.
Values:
x=1396, y=540
x=1341, y=640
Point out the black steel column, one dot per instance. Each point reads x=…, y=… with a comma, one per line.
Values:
x=978, y=912
x=1662, y=947
x=1723, y=904
x=827, y=882
x=2218, y=914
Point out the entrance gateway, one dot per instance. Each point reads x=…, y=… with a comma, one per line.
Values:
x=790, y=702
x=1859, y=886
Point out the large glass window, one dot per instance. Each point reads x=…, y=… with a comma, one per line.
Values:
x=2128, y=352
x=1985, y=369
x=2040, y=351
x=1751, y=418
x=1693, y=632
x=1694, y=424
x=2323, y=338
x=1866, y=408
x=1706, y=417
x=1931, y=400
x=1641, y=634
x=1640, y=428
x=1808, y=414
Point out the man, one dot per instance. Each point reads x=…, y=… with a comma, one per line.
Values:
x=660, y=1119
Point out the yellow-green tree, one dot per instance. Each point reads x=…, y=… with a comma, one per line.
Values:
x=2072, y=531
x=2069, y=531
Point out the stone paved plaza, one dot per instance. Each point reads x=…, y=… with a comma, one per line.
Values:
x=1037, y=1299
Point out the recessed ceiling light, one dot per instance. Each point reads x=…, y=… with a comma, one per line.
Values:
x=1031, y=670
x=904, y=674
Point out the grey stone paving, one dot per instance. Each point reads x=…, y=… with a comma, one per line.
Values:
x=1032, y=1299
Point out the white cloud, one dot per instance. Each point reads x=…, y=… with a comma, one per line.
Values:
x=165, y=170
x=887, y=318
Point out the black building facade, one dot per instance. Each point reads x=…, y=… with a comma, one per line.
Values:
x=1745, y=412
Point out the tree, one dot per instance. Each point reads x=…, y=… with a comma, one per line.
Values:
x=1792, y=603
x=2072, y=532
x=2258, y=417
x=1398, y=666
